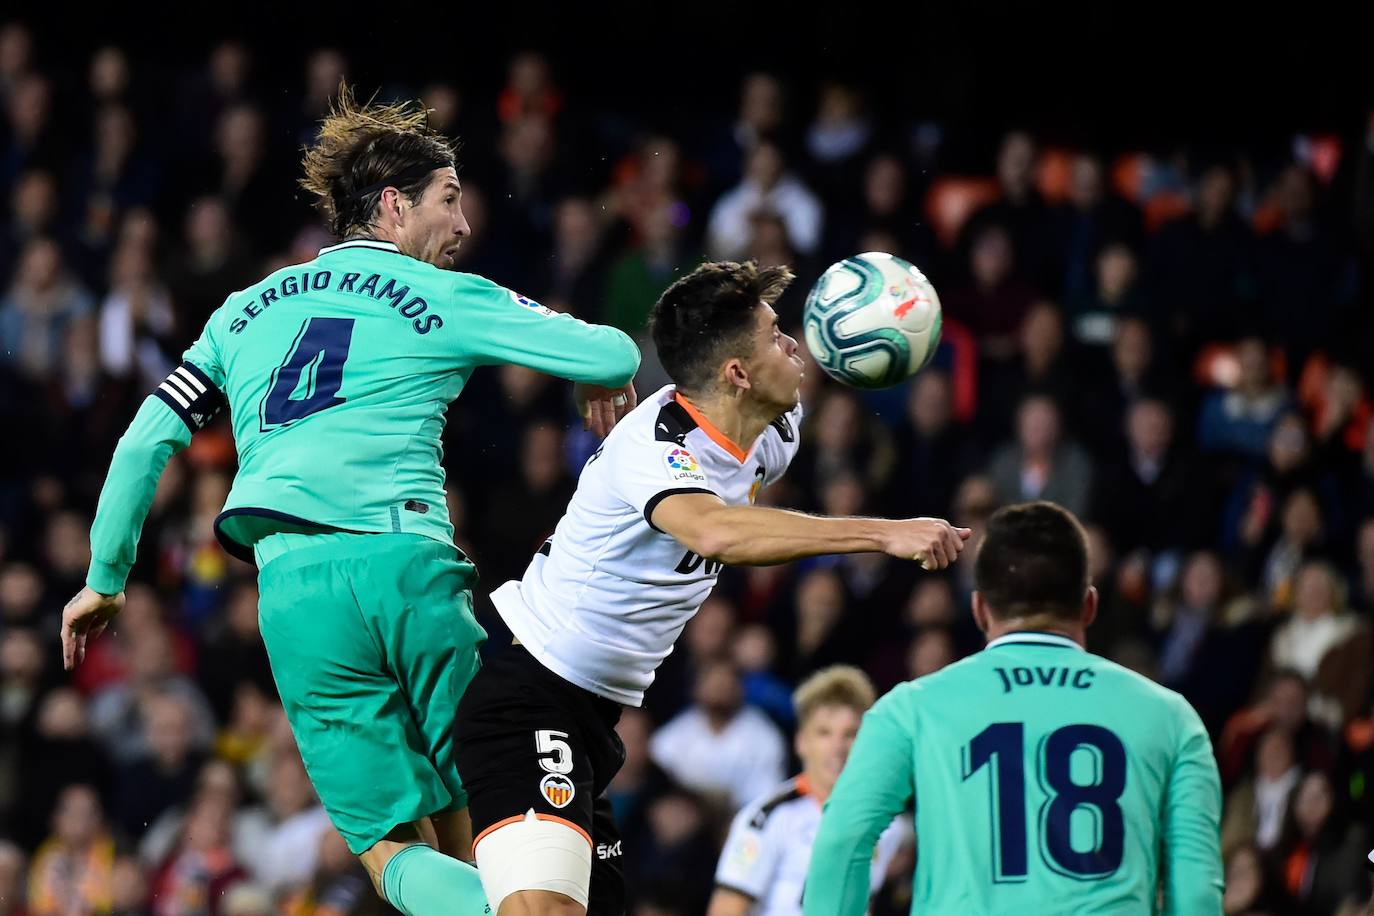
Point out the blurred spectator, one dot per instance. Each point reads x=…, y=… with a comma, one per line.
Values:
x=285, y=857
x=678, y=853
x=1318, y=624
x=993, y=303
x=16, y=56
x=233, y=654
x=1298, y=538
x=933, y=451
x=218, y=782
x=12, y=872
x=33, y=209
x=30, y=139
x=325, y=70
x=760, y=116
x=932, y=650
x=1282, y=705
x=526, y=187
x=1255, y=809
x=719, y=746
x=767, y=185
x=840, y=438
x=113, y=178
x=1202, y=654
x=1322, y=854
x=206, y=94
x=639, y=276
x=129, y=893
x=72, y=870
x=1092, y=222
x=212, y=264
x=1039, y=464
x=195, y=877
x=136, y=320
x=60, y=752
x=1238, y=421
x=119, y=713
x=1115, y=292
x=165, y=774
x=1250, y=891
x=1364, y=557
x=838, y=139
x=339, y=885
x=577, y=269
x=1150, y=497
x=523, y=513
x=754, y=651
x=639, y=781
x=529, y=89
x=1200, y=265
x=1040, y=364
x=41, y=308
x=1022, y=213
x=1301, y=262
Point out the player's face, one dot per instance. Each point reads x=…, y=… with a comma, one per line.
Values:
x=435, y=225
x=824, y=740
x=775, y=366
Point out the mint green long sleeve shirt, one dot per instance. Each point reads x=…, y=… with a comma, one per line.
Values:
x=337, y=374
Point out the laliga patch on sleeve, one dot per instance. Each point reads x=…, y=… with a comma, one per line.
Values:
x=746, y=853
x=529, y=303
x=682, y=465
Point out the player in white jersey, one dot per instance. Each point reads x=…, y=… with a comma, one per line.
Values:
x=659, y=508
x=763, y=865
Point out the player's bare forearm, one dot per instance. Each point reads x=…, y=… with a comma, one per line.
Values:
x=761, y=536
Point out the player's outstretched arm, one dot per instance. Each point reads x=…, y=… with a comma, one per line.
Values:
x=1192, y=825
x=762, y=536
x=875, y=786
x=154, y=436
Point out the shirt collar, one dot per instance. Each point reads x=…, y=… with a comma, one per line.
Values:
x=375, y=244
x=1034, y=638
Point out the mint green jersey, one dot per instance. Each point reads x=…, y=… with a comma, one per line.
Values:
x=337, y=374
x=1045, y=780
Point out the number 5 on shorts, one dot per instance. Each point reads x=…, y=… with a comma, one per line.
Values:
x=555, y=756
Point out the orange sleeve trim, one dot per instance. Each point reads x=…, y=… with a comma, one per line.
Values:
x=709, y=428
x=505, y=822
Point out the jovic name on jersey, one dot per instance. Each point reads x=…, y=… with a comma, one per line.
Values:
x=767, y=853
x=605, y=598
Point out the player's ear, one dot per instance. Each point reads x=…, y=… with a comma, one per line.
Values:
x=980, y=614
x=1089, y=612
x=736, y=376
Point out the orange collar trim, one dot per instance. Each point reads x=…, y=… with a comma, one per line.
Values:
x=709, y=428
x=803, y=784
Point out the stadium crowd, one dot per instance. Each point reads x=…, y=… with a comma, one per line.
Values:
x=1174, y=343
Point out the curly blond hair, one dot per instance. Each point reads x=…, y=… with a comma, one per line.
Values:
x=362, y=149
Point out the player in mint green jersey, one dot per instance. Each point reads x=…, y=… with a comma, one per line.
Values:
x=1045, y=779
x=337, y=374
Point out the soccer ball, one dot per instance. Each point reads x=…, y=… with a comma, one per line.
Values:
x=872, y=320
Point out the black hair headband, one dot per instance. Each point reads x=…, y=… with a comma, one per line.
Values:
x=402, y=178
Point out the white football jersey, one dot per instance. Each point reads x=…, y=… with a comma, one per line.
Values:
x=605, y=598
x=768, y=851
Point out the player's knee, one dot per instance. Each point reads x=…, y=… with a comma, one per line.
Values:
x=535, y=867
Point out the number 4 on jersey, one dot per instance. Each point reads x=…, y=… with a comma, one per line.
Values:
x=309, y=378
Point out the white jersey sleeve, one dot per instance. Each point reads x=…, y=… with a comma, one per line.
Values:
x=643, y=475
x=750, y=857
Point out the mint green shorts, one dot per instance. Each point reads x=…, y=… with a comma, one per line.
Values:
x=372, y=642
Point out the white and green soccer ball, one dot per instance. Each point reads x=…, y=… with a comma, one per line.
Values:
x=872, y=321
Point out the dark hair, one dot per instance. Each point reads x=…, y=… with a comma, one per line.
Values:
x=1033, y=560
x=362, y=150
x=708, y=316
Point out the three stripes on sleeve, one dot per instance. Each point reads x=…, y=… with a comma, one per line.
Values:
x=191, y=395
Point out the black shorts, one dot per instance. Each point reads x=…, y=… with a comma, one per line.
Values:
x=527, y=739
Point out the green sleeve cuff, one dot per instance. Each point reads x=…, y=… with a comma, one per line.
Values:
x=106, y=578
